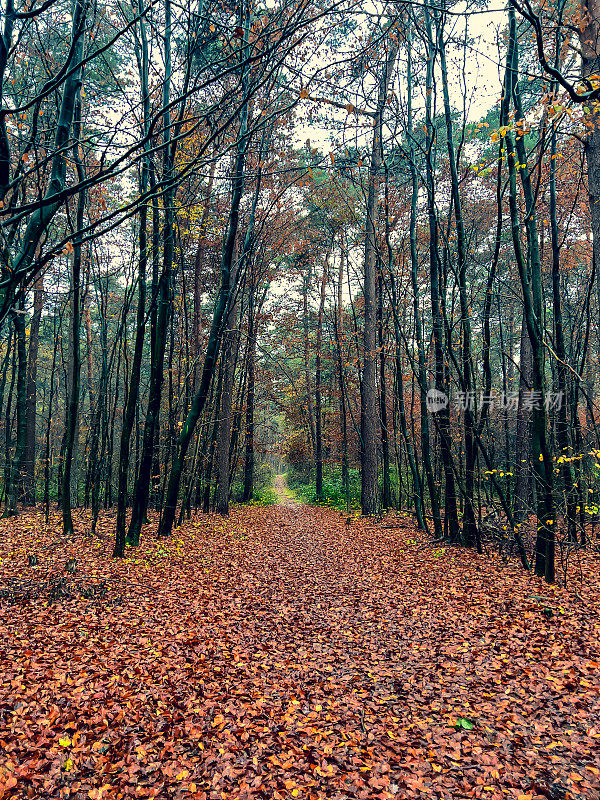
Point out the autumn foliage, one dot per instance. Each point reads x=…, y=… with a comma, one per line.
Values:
x=284, y=653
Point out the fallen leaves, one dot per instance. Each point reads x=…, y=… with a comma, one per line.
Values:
x=281, y=653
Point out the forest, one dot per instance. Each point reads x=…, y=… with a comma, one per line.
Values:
x=191, y=294
x=299, y=352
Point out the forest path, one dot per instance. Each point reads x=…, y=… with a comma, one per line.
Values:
x=284, y=495
x=283, y=653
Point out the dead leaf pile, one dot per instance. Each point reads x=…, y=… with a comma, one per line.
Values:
x=282, y=653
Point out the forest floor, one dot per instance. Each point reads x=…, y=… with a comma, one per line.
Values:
x=285, y=496
x=283, y=653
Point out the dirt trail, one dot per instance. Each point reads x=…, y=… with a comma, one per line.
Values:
x=284, y=497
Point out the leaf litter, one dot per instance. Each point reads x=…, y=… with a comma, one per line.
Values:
x=283, y=653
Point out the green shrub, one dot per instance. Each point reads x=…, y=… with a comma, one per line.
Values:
x=265, y=497
x=264, y=493
x=334, y=491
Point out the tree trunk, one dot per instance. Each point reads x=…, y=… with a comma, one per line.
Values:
x=339, y=338
x=442, y=418
x=229, y=356
x=198, y=261
x=163, y=308
x=5, y=365
x=562, y=423
x=249, y=422
x=318, y=393
x=87, y=322
x=386, y=493
x=369, y=401
x=470, y=530
x=522, y=495
x=422, y=371
x=131, y=404
x=306, y=328
x=15, y=468
x=71, y=424
x=31, y=413
x=533, y=302
x=225, y=293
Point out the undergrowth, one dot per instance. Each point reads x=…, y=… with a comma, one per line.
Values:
x=302, y=483
x=264, y=493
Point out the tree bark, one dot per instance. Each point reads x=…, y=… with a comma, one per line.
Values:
x=225, y=293
x=15, y=467
x=443, y=416
x=31, y=413
x=229, y=356
x=470, y=530
x=71, y=424
x=533, y=303
x=163, y=310
x=386, y=489
x=131, y=404
x=250, y=396
x=369, y=400
x=318, y=392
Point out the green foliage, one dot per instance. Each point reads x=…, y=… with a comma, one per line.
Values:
x=265, y=496
x=301, y=480
x=465, y=724
x=264, y=493
x=334, y=492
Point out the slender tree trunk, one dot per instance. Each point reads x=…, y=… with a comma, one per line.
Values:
x=8, y=461
x=49, y=428
x=533, y=302
x=87, y=322
x=423, y=386
x=132, y=397
x=306, y=328
x=589, y=36
x=229, y=356
x=15, y=468
x=470, y=530
x=418, y=491
x=31, y=413
x=339, y=339
x=562, y=423
x=369, y=402
x=73, y=403
x=386, y=494
x=163, y=311
x=523, y=433
x=199, y=259
x=225, y=293
x=443, y=416
x=214, y=429
x=5, y=365
x=98, y=439
x=318, y=392
x=250, y=395
x=247, y=266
